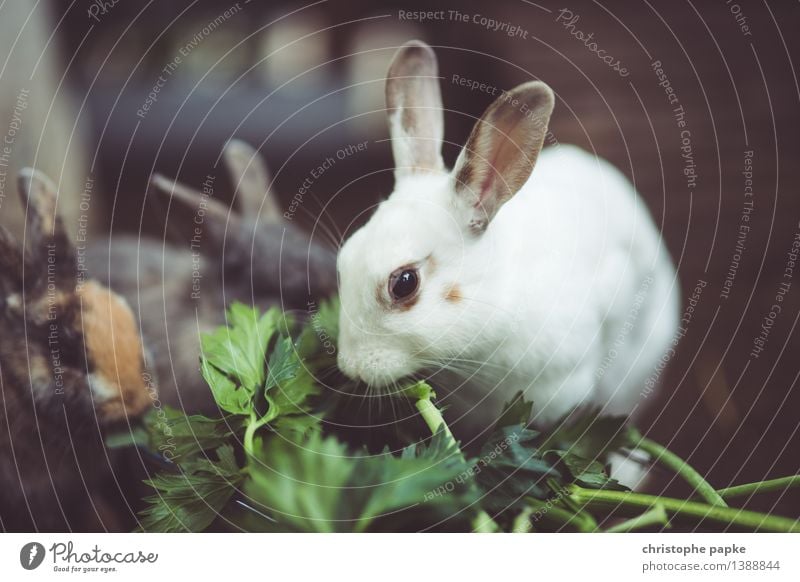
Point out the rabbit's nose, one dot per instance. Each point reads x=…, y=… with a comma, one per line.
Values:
x=376, y=367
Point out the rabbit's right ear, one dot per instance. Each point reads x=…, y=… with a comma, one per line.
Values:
x=48, y=242
x=251, y=181
x=414, y=106
x=501, y=151
x=12, y=260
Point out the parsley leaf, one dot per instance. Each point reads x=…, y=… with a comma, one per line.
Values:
x=191, y=500
x=318, y=486
x=178, y=436
x=233, y=357
x=511, y=467
x=588, y=435
x=585, y=472
x=516, y=411
x=283, y=363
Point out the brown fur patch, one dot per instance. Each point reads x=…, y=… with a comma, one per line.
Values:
x=114, y=348
x=453, y=295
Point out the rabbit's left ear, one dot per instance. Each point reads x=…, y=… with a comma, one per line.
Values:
x=414, y=106
x=251, y=180
x=502, y=150
x=49, y=244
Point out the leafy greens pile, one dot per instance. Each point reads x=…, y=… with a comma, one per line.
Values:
x=269, y=462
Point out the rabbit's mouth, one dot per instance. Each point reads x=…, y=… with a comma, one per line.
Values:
x=377, y=371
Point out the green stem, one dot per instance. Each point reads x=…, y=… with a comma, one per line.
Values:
x=522, y=523
x=253, y=425
x=760, y=487
x=750, y=520
x=549, y=511
x=482, y=522
x=433, y=418
x=657, y=515
x=674, y=462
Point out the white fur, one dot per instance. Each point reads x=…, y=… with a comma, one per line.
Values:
x=569, y=295
x=548, y=289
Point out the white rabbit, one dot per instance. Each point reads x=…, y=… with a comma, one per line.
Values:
x=558, y=285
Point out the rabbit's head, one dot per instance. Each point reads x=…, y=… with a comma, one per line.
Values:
x=70, y=341
x=256, y=255
x=403, y=274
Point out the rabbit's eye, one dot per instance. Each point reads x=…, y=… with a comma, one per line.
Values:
x=403, y=284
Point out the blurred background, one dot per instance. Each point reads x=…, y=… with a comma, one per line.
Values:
x=106, y=93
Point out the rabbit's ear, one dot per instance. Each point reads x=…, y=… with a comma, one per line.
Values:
x=251, y=181
x=48, y=241
x=414, y=107
x=502, y=150
x=212, y=218
x=12, y=259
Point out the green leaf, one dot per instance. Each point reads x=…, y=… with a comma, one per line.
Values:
x=319, y=486
x=292, y=406
x=290, y=387
x=300, y=485
x=511, y=467
x=179, y=437
x=588, y=435
x=190, y=501
x=238, y=351
x=585, y=472
x=227, y=393
x=297, y=426
x=133, y=437
x=327, y=317
x=283, y=364
x=318, y=340
x=516, y=411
